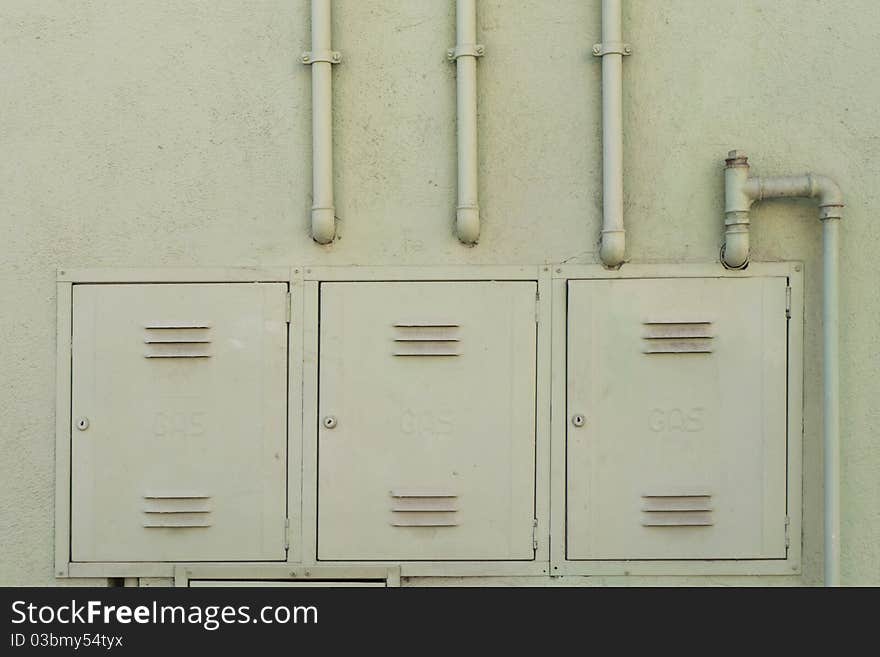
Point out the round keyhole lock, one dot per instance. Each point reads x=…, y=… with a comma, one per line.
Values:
x=578, y=420
x=82, y=423
x=329, y=422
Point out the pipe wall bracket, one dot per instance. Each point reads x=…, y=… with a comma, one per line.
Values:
x=466, y=50
x=612, y=48
x=329, y=56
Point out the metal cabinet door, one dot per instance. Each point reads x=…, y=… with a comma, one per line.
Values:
x=427, y=421
x=676, y=443
x=179, y=422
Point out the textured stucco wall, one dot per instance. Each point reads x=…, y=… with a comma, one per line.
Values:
x=177, y=133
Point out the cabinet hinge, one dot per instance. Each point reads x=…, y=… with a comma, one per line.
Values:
x=289, y=304
x=788, y=303
x=537, y=307
x=287, y=533
x=787, y=531
x=534, y=533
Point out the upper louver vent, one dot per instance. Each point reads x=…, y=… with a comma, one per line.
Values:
x=177, y=340
x=426, y=339
x=677, y=336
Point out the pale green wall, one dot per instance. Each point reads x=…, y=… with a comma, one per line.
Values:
x=176, y=132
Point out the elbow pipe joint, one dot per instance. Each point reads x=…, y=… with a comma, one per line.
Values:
x=735, y=250
x=323, y=225
x=829, y=195
x=467, y=224
x=612, y=247
x=741, y=191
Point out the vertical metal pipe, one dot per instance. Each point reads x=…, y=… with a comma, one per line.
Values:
x=735, y=251
x=323, y=211
x=611, y=250
x=467, y=218
x=831, y=393
x=740, y=192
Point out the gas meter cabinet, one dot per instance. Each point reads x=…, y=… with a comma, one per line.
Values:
x=261, y=424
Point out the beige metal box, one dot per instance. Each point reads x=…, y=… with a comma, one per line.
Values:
x=178, y=436
x=411, y=411
x=676, y=427
x=427, y=420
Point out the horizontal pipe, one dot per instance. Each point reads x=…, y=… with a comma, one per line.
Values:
x=804, y=186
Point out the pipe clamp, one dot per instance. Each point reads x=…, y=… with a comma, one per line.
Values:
x=466, y=50
x=612, y=48
x=329, y=56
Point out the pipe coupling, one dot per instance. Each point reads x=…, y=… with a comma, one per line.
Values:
x=736, y=159
x=737, y=221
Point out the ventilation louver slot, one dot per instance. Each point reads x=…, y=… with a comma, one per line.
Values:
x=426, y=339
x=677, y=336
x=423, y=508
x=677, y=510
x=177, y=340
x=177, y=511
